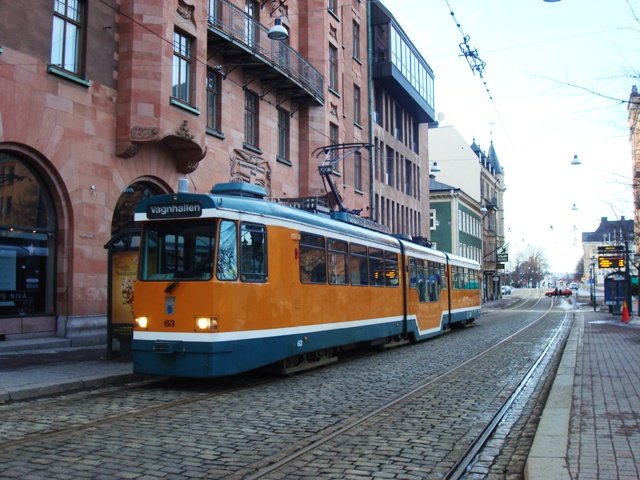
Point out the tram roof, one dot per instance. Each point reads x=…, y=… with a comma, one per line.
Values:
x=176, y=207
x=249, y=205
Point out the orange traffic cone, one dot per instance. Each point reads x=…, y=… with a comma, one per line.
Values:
x=625, y=313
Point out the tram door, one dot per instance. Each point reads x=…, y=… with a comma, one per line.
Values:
x=123, y=266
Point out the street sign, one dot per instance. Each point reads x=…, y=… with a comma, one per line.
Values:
x=611, y=249
x=499, y=266
x=503, y=257
x=610, y=262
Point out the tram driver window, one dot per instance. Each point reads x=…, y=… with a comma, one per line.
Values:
x=253, y=253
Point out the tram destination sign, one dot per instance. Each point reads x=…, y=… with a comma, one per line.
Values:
x=174, y=210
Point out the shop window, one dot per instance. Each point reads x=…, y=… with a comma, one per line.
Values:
x=27, y=241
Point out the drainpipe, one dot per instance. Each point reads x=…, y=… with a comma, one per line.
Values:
x=372, y=148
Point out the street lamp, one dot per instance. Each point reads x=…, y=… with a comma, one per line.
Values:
x=278, y=32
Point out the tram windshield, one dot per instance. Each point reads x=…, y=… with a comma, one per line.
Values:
x=177, y=251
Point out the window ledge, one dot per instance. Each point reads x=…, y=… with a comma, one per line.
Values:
x=185, y=106
x=215, y=133
x=61, y=72
x=357, y=124
x=358, y=191
x=335, y=92
x=251, y=148
x=357, y=60
x=284, y=161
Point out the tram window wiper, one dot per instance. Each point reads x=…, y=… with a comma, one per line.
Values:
x=171, y=286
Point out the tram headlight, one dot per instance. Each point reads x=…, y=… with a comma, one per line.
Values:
x=142, y=322
x=206, y=324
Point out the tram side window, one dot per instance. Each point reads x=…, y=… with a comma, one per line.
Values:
x=433, y=285
x=391, y=269
x=227, y=266
x=337, y=256
x=474, y=280
x=359, y=267
x=253, y=253
x=454, y=277
x=413, y=280
x=313, y=260
x=376, y=267
x=465, y=276
x=422, y=280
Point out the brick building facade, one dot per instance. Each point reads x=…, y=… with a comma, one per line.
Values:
x=104, y=103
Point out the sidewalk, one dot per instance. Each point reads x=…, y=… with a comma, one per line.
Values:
x=47, y=366
x=590, y=426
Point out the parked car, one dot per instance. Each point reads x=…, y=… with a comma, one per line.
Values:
x=573, y=286
x=506, y=289
x=559, y=292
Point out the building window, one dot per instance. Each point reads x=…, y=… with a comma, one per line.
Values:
x=213, y=100
x=334, y=140
x=433, y=223
x=182, y=67
x=251, y=118
x=333, y=6
x=389, y=175
x=252, y=22
x=356, y=105
x=399, y=133
x=357, y=174
x=66, y=40
x=408, y=177
x=356, y=40
x=283, y=134
x=377, y=105
x=333, y=68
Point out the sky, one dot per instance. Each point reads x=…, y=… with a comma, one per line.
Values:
x=558, y=77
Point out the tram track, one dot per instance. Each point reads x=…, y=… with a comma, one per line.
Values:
x=254, y=426
x=42, y=431
x=37, y=409
x=460, y=467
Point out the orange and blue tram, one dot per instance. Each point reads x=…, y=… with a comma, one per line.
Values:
x=229, y=282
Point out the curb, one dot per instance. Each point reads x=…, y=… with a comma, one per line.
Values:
x=547, y=458
x=68, y=387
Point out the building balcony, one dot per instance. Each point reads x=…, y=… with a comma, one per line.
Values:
x=244, y=43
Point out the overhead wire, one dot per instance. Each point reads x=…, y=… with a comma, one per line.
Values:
x=477, y=66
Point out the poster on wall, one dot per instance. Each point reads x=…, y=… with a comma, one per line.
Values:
x=124, y=268
x=8, y=266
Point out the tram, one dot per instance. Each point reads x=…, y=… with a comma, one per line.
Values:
x=229, y=282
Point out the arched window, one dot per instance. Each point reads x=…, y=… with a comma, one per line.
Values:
x=123, y=213
x=27, y=240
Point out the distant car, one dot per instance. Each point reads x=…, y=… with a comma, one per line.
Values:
x=573, y=286
x=560, y=292
x=506, y=290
